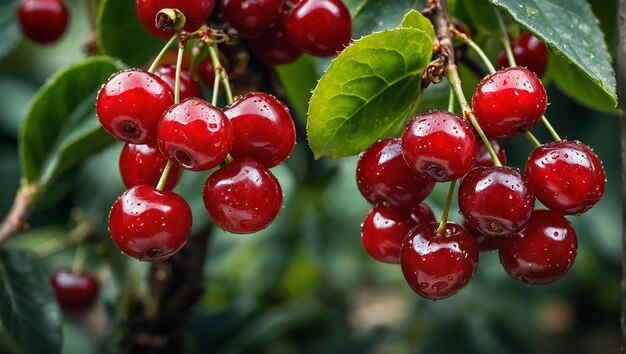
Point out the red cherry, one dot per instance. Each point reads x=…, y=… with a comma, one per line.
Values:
x=437, y=267
x=148, y=224
x=529, y=52
x=542, y=252
x=320, y=27
x=206, y=72
x=189, y=85
x=383, y=177
x=483, y=158
x=196, y=13
x=144, y=164
x=422, y=214
x=496, y=201
x=250, y=17
x=272, y=46
x=566, y=176
x=440, y=145
x=195, y=134
x=485, y=243
x=242, y=197
x=76, y=293
x=509, y=102
x=264, y=129
x=131, y=103
x=43, y=21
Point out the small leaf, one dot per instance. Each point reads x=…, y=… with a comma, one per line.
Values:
x=9, y=30
x=61, y=128
x=376, y=15
x=414, y=19
x=28, y=309
x=571, y=30
x=121, y=35
x=369, y=92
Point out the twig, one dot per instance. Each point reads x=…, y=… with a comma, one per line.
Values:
x=15, y=221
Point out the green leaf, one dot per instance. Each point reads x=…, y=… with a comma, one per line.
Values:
x=60, y=128
x=414, y=19
x=28, y=309
x=298, y=79
x=376, y=15
x=369, y=92
x=9, y=30
x=571, y=30
x=121, y=35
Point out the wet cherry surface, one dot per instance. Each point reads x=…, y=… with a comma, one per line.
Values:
x=189, y=85
x=144, y=164
x=483, y=158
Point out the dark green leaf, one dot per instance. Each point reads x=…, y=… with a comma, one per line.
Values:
x=414, y=19
x=121, y=35
x=375, y=15
x=298, y=79
x=28, y=309
x=369, y=91
x=9, y=30
x=571, y=30
x=60, y=128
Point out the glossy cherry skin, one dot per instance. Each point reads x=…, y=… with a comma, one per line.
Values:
x=242, y=197
x=509, y=102
x=250, y=17
x=189, y=85
x=383, y=177
x=485, y=243
x=76, y=293
x=195, y=134
x=542, y=252
x=273, y=46
x=529, y=52
x=483, y=158
x=440, y=145
x=496, y=201
x=320, y=27
x=148, y=224
x=43, y=21
x=131, y=103
x=566, y=176
x=196, y=13
x=437, y=267
x=144, y=164
x=264, y=129
x=384, y=229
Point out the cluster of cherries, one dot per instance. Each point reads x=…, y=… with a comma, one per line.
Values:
x=496, y=201
x=43, y=21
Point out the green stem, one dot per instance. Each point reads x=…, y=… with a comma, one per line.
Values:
x=550, y=128
x=505, y=38
x=79, y=259
x=216, y=88
x=219, y=71
x=159, y=56
x=179, y=64
x=451, y=101
x=166, y=172
x=444, y=217
x=482, y=55
x=533, y=140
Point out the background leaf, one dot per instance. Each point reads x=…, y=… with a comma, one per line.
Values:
x=375, y=15
x=571, y=30
x=9, y=30
x=28, y=309
x=298, y=79
x=121, y=35
x=60, y=127
x=369, y=92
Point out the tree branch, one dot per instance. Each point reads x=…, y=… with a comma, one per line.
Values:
x=15, y=221
x=621, y=82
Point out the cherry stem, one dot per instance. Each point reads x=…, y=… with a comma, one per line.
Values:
x=80, y=256
x=444, y=217
x=511, y=58
x=159, y=56
x=219, y=71
x=81, y=232
x=451, y=101
x=179, y=64
x=533, y=140
x=476, y=48
x=166, y=172
x=216, y=88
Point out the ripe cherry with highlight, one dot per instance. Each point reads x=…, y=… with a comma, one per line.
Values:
x=144, y=164
x=76, y=293
x=43, y=21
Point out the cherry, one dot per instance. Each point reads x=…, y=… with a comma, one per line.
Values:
x=440, y=145
x=144, y=164
x=320, y=27
x=483, y=158
x=485, y=243
x=131, y=103
x=196, y=13
x=264, y=129
x=509, y=102
x=438, y=266
x=250, y=17
x=496, y=201
x=43, y=21
x=528, y=52
x=542, y=252
x=243, y=197
x=189, y=85
x=195, y=134
x=566, y=176
x=206, y=72
x=384, y=229
x=383, y=177
x=75, y=292
x=149, y=224
x=273, y=46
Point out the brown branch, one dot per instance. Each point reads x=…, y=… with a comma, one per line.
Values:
x=15, y=221
x=621, y=81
